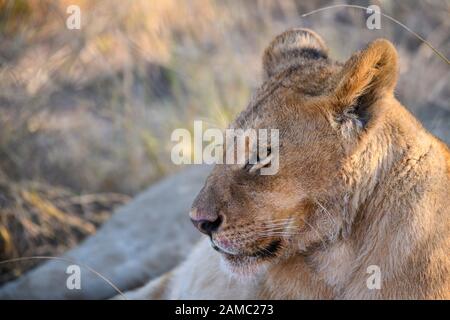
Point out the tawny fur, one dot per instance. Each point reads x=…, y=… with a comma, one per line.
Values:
x=362, y=182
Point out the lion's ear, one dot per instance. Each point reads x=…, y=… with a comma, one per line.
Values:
x=365, y=78
x=293, y=47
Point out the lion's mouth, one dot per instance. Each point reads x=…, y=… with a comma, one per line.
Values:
x=269, y=251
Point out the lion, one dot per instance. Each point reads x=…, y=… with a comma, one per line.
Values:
x=359, y=208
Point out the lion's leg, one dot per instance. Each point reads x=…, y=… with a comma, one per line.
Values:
x=156, y=289
x=200, y=276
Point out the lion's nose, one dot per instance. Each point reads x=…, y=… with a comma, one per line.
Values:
x=207, y=226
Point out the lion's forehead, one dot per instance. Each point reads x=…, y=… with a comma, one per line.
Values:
x=264, y=108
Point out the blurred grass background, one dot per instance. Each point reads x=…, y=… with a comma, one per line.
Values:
x=86, y=115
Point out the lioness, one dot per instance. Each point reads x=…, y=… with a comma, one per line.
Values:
x=362, y=187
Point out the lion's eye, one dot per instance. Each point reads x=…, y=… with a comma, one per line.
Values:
x=260, y=163
x=248, y=166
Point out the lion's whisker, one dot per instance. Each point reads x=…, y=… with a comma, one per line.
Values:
x=318, y=233
x=326, y=211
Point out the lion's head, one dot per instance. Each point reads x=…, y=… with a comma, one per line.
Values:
x=324, y=111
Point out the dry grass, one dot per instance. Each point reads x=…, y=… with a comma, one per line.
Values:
x=41, y=220
x=91, y=111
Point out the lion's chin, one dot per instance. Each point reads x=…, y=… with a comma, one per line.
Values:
x=243, y=267
x=247, y=266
